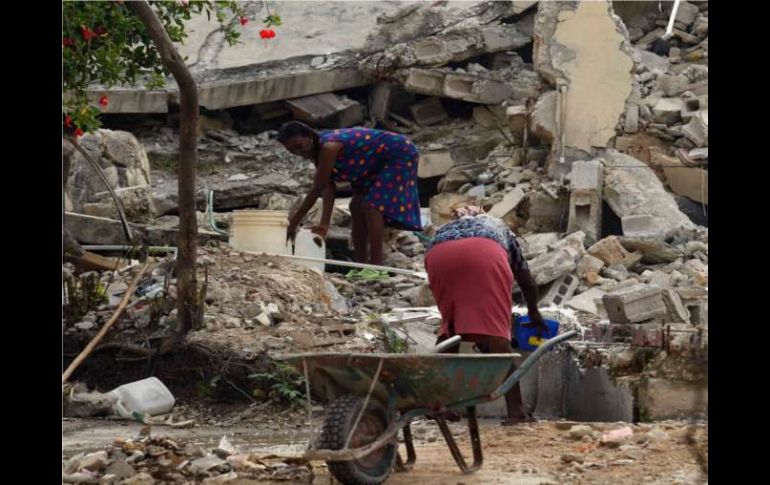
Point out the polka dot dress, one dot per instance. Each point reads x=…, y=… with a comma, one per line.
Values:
x=383, y=165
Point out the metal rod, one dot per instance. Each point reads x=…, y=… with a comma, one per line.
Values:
x=309, y=405
x=348, y=264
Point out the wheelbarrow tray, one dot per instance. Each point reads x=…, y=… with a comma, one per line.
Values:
x=406, y=381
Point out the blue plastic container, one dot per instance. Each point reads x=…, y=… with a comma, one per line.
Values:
x=527, y=337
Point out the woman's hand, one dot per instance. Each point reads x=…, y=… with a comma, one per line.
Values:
x=291, y=231
x=321, y=229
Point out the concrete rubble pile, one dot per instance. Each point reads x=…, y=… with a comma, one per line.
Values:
x=591, y=148
x=147, y=459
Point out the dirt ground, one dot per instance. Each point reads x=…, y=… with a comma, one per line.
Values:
x=660, y=453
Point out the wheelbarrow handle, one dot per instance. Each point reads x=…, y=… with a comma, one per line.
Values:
x=542, y=349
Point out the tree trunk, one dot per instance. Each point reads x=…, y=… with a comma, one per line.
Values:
x=188, y=160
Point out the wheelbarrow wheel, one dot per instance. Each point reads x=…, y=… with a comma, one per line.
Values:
x=371, y=469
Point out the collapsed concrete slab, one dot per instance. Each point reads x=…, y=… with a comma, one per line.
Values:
x=688, y=181
x=595, y=70
x=510, y=201
x=465, y=87
x=631, y=188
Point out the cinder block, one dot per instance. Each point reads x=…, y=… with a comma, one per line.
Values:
x=635, y=304
x=425, y=81
x=561, y=291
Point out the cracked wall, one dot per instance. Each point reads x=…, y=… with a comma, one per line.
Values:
x=586, y=46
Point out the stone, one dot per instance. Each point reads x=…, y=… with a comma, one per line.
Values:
x=578, y=431
x=589, y=264
x=560, y=291
x=684, y=180
x=544, y=118
x=142, y=478
x=630, y=188
x=701, y=26
x=653, y=62
x=93, y=462
x=611, y=251
x=635, y=304
x=599, y=88
x=660, y=279
x=120, y=469
x=548, y=267
x=697, y=130
x=677, y=312
x=510, y=202
x=656, y=435
x=202, y=465
x=672, y=85
x=327, y=110
x=686, y=13
x=224, y=478
x=238, y=177
x=668, y=110
x=545, y=212
x=428, y=112
x=654, y=250
x=616, y=437
x=631, y=123
x=572, y=457
x=641, y=226
x=661, y=399
x=632, y=452
x=379, y=100
x=585, y=213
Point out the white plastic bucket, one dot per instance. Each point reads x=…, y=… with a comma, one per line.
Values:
x=148, y=396
x=260, y=231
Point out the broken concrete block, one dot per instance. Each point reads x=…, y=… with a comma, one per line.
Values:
x=476, y=90
x=641, y=226
x=560, y=291
x=489, y=116
x=686, y=13
x=653, y=62
x=677, y=312
x=428, y=112
x=654, y=250
x=537, y=243
x=690, y=106
x=697, y=130
x=690, y=182
x=434, y=164
x=661, y=399
x=379, y=100
x=635, y=304
x=631, y=124
x=668, y=110
x=586, y=301
x=544, y=118
x=547, y=267
x=510, y=201
x=94, y=230
x=660, y=279
x=546, y=213
x=610, y=251
x=585, y=212
x=441, y=206
x=517, y=119
x=327, y=110
x=631, y=188
x=589, y=264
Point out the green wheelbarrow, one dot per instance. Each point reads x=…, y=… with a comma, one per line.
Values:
x=371, y=397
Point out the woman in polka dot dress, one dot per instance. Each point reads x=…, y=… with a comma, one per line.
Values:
x=382, y=169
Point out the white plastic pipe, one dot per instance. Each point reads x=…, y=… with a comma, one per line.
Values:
x=348, y=264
